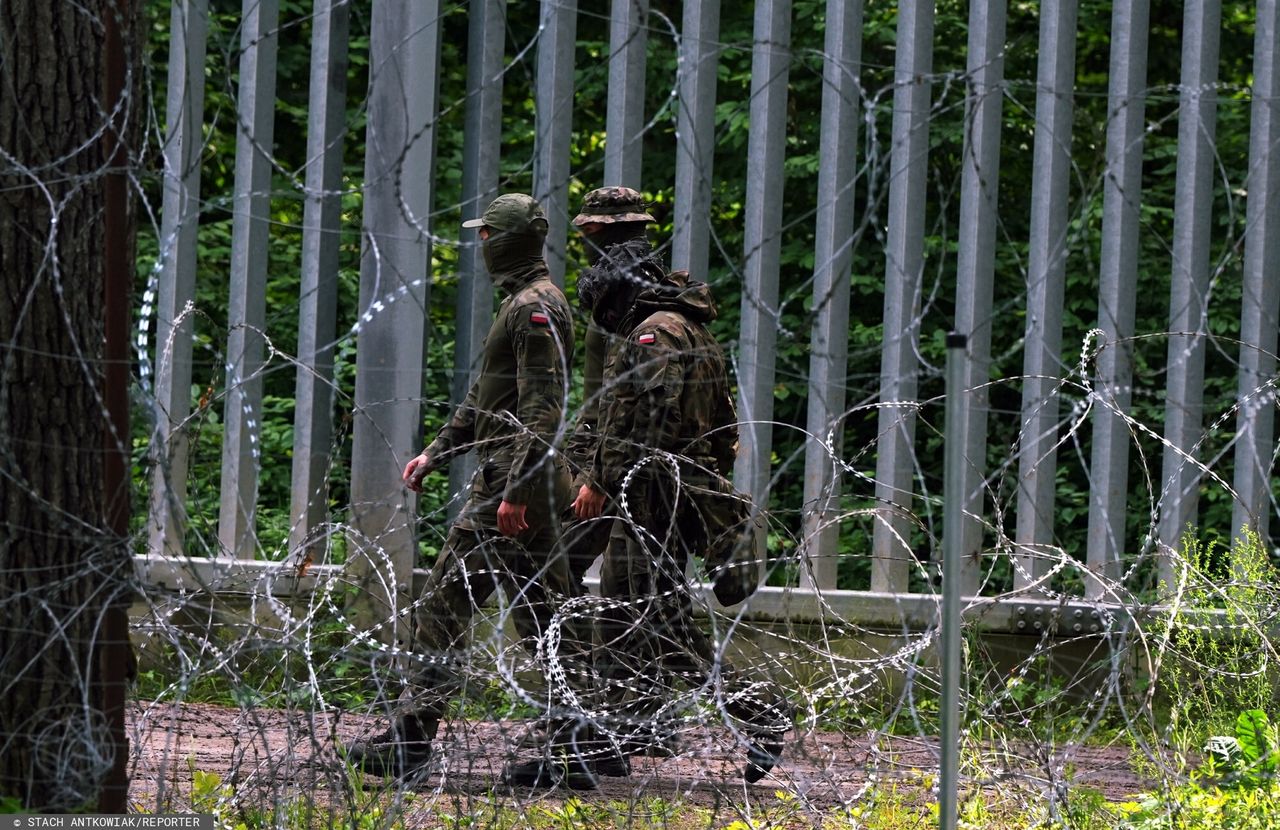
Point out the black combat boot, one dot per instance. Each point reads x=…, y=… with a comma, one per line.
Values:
x=402, y=750
x=768, y=716
x=762, y=754
x=653, y=740
x=552, y=769
x=573, y=757
x=610, y=763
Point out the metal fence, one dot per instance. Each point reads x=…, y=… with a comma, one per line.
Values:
x=397, y=232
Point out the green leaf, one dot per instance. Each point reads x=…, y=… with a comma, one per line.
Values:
x=1253, y=731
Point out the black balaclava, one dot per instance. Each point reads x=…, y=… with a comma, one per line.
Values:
x=614, y=302
x=506, y=252
x=611, y=234
x=609, y=289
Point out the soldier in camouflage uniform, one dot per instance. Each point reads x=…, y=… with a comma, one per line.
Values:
x=667, y=441
x=506, y=532
x=615, y=236
x=612, y=222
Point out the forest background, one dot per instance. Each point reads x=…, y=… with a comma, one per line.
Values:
x=947, y=137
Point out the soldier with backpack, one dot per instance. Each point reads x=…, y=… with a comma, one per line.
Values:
x=665, y=444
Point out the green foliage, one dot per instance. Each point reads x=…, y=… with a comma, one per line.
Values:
x=1193, y=806
x=362, y=810
x=1215, y=666
x=494, y=701
x=948, y=132
x=1250, y=758
x=267, y=674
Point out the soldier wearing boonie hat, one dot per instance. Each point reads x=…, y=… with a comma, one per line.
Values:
x=607, y=205
x=664, y=394
x=612, y=221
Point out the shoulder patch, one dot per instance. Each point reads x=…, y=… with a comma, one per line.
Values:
x=647, y=338
x=539, y=318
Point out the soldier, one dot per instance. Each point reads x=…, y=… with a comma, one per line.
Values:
x=667, y=440
x=612, y=222
x=505, y=533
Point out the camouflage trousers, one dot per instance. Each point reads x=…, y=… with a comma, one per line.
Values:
x=534, y=574
x=650, y=641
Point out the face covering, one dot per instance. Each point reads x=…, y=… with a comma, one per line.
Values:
x=612, y=307
x=506, y=252
x=611, y=234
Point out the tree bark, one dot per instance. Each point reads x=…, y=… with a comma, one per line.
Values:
x=64, y=569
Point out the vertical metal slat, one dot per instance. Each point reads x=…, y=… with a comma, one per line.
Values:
x=695, y=135
x=624, y=116
x=404, y=46
x=1046, y=279
x=246, y=312
x=179, y=224
x=1255, y=421
x=553, y=123
x=904, y=261
x=833, y=253
x=975, y=263
x=1189, y=288
x=762, y=235
x=1117, y=293
x=318, y=292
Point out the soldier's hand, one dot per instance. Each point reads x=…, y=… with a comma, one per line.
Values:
x=511, y=519
x=589, y=504
x=415, y=471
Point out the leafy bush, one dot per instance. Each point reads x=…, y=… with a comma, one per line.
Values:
x=1250, y=758
x=1216, y=664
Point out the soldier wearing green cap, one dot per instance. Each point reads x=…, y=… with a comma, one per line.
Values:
x=666, y=442
x=505, y=533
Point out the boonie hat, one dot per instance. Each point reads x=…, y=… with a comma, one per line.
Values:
x=612, y=204
x=513, y=213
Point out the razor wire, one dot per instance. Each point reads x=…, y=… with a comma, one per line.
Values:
x=254, y=675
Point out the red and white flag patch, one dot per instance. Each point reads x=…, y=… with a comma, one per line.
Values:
x=539, y=319
x=646, y=339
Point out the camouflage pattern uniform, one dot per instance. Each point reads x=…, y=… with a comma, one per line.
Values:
x=667, y=441
x=523, y=374
x=512, y=416
x=620, y=248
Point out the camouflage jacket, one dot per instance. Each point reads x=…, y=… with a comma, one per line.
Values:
x=514, y=411
x=667, y=386
x=600, y=349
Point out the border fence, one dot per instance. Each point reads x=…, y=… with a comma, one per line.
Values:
x=397, y=233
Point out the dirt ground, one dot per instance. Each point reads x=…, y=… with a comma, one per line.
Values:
x=271, y=756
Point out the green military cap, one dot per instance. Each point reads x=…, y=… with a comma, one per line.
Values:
x=612, y=204
x=512, y=212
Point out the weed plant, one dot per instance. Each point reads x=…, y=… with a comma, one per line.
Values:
x=1211, y=665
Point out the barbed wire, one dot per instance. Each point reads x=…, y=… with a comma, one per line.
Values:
x=256, y=674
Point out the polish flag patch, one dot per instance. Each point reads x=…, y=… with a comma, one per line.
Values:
x=646, y=339
x=539, y=319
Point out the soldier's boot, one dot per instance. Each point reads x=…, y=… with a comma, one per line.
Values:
x=655, y=739
x=550, y=770
x=573, y=757
x=762, y=755
x=538, y=734
x=607, y=759
x=765, y=730
x=402, y=750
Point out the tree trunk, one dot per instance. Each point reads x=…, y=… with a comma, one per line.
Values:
x=63, y=569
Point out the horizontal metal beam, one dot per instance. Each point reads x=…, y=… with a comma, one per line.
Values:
x=876, y=610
